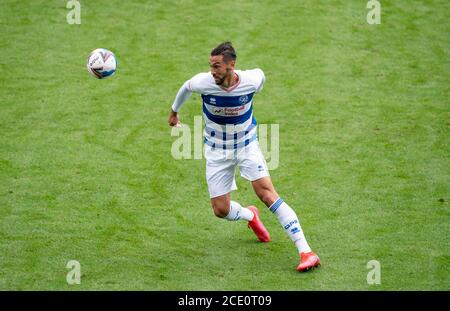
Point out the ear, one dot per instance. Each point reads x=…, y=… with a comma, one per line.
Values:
x=232, y=63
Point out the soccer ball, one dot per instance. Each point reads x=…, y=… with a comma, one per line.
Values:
x=101, y=63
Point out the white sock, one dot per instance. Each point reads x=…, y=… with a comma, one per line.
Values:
x=238, y=212
x=288, y=219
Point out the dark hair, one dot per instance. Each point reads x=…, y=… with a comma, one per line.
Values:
x=225, y=49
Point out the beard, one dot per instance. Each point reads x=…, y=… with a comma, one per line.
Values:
x=219, y=81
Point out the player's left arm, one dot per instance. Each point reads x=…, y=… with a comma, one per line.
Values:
x=259, y=78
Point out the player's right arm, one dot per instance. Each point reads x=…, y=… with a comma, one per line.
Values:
x=192, y=85
x=182, y=96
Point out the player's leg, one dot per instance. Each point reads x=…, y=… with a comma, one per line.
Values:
x=253, y=167
x=288, y=219
x=265, y=191
x=223, y=207
x=220, y=179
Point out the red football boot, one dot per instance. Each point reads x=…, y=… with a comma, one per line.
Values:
x=257, y=226
x=308, y=261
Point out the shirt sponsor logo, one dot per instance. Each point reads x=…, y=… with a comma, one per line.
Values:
x=234, y=111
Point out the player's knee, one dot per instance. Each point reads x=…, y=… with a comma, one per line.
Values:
x=220, y=211
x=267, y=196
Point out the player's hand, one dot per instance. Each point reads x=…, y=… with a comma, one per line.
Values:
x=174, y=120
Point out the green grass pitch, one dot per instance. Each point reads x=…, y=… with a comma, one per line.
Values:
x=86, y=172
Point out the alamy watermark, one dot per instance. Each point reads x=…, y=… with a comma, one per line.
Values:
x=190, y=143
x=74, y=15
x=374, y=15
x=74, y=275
x=374, y=275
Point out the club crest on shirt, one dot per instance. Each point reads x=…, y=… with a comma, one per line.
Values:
x=243, y=99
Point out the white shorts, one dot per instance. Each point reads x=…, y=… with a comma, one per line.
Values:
x=220, y=166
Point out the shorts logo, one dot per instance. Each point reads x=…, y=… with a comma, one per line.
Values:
x=243, y=99
x=260, y=168
x=212, y=100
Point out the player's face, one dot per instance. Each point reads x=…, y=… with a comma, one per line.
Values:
x=220, y=69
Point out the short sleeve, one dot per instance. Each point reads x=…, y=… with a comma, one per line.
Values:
x=198, y=82
x=259, y=79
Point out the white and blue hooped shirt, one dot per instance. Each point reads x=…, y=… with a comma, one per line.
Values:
x=228, y=113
